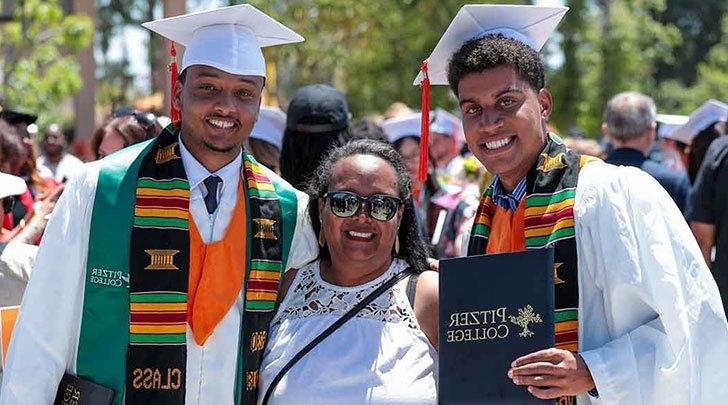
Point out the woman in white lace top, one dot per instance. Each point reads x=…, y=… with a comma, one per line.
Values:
x=387, y=353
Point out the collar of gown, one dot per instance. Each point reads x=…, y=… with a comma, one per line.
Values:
x=196, y=172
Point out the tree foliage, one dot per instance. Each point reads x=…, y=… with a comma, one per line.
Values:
x=371, y=50
x=39, y=68
x=609, y=47
x=673, y=50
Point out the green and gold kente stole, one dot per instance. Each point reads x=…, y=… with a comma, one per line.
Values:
x=548, y=221
x=133, y=331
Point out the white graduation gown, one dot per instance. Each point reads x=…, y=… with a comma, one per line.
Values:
x=45, y=339
x=651, y=324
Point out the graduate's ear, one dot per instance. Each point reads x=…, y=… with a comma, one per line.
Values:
x=177, y=92
x=546, y=102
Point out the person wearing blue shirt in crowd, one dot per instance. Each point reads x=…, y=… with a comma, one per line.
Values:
x=629, y=124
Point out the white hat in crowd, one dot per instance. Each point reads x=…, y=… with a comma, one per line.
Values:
x=270, y=126
x=709, y=113
x=402, y=126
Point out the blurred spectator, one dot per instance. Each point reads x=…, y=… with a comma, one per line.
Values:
x=16, y=259
x=266, y=138
x=666, y=124
x=708, y=212
x=24, y=219
x=630, y=124
x=20, y=122
x=693, y=138
x=404, y=133
x=446, y=140
x=55, y=156
x=125, y=127
x=12, y=150
x=318, y=118
x=37, y=180
x=13, y=155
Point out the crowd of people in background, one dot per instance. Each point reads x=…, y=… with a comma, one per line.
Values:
x=318, y=119
x=670, y=148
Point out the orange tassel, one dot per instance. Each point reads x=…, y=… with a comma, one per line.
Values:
x=174, y=113
x=424, y=133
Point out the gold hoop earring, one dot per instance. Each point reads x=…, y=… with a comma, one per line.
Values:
x=321, y=238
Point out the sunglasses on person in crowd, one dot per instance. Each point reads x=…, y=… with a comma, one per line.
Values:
x=345, y=204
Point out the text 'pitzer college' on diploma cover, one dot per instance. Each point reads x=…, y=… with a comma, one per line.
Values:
x=493, y=309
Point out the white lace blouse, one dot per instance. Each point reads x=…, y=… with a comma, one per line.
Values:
x=379, y=356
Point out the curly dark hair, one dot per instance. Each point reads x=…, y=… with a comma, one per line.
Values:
x=490, y=51
x=412, y=248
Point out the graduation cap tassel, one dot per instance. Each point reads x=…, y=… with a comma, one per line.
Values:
x=174, y=113
x=424, y=133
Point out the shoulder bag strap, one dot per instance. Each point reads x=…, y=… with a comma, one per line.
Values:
x=412, y=289
x=328, y=331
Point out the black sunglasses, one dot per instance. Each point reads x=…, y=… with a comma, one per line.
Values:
x=345, y=204
x=145, y=119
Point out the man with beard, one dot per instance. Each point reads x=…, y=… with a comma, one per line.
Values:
x=162, y=286
x=638, y=315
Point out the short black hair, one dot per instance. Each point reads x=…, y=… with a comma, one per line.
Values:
x=490, y=51
x=413, y=249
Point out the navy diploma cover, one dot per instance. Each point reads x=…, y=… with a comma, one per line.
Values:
x=493, y=309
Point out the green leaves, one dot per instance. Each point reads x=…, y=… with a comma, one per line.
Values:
x=40, y=69
x=371, y=50
x=618, y=45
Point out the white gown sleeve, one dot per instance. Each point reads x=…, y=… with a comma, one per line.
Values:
x=304, y=246
x=653, y=328
x=45, y=338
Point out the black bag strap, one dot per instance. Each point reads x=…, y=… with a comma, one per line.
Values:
x=328, y=331
x=412, y=289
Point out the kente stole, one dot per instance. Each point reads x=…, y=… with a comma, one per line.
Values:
x=133, y=330
x=548, y=220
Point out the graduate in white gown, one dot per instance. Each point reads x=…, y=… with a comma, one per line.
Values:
x=638, y=316
x=178, y=320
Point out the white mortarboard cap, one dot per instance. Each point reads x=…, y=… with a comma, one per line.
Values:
x=270, y=126
x=400, y=127
x=531, y=25
x=227, y=38
x=710, y=112
x=445, y=123
x=669, y=123
x=11, y=185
